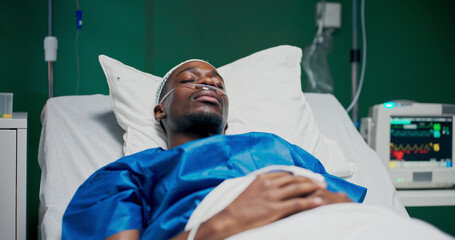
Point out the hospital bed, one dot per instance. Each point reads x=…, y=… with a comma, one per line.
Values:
x=82, y=133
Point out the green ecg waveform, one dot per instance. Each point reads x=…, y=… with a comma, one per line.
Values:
x=399, y=133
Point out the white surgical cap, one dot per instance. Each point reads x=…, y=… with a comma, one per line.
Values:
x=168, y=74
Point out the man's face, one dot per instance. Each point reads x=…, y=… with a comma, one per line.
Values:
x=194, y=108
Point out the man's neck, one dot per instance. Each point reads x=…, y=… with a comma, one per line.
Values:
x=177, y=139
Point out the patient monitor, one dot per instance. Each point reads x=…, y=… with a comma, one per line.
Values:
x=415, y=141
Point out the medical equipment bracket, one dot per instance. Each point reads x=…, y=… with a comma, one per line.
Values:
x=50, y=53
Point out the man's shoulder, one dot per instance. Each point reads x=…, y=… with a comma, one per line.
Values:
x=135, y=158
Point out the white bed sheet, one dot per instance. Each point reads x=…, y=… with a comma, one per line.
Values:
x=347, y=221
x=80, y=134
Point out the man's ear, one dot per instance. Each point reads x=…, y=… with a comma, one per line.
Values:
x=159, y=112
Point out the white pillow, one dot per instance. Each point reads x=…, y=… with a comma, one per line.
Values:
x=264, y=93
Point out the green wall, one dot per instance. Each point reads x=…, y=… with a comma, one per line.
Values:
x=116, y=28
x=410, y=48
x=23, y=72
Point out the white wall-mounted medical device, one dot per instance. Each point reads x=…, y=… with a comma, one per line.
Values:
x=415, y=141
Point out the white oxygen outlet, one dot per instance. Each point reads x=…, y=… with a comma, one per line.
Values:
x=50, y=49
x=331, y=17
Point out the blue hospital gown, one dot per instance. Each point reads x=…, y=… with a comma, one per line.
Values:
x=156, y=190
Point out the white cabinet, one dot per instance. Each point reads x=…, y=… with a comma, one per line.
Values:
x=427, y=198
x=13, y=180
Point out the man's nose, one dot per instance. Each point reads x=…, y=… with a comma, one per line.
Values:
x=207, y=81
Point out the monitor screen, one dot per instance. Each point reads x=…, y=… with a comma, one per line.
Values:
x=420, y=142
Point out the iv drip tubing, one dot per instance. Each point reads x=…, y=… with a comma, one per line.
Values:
x=76, y=50
x=50, y=64
x=364, y=57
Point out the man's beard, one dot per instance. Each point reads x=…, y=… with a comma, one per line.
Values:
x=205, y=123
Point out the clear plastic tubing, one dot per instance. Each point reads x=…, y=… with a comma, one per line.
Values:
x=195, y=85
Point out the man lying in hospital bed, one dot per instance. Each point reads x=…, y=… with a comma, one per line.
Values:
x=154, y=191
x=308, y=190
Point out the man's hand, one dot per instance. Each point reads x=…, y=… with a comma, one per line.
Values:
x=268, y=198
x=273, y=196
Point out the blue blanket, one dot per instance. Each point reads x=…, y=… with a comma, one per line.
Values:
x=156, y=190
